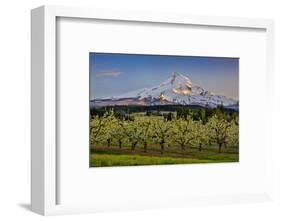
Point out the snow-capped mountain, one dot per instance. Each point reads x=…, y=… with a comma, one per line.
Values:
x=177, y=89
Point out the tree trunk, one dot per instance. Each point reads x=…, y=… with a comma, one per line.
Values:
x=182, y=147
x=144, y=147
x=108, y=142
x=200, y=147
x=134, y=146
x=162, y=148
x=220, y=145
x=120, y=144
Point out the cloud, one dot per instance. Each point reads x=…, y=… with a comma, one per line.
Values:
x=109, y=73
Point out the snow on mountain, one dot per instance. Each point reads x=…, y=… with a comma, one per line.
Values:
x=177, y=89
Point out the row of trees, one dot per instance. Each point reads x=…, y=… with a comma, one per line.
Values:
x=169, y=112
x=204, y=114
x=179, y=132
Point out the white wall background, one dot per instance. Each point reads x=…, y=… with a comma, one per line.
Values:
x=15, y=107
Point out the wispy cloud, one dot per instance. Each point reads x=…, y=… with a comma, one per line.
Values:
x=110, y=73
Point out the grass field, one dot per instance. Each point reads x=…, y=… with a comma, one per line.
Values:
x=103, y=157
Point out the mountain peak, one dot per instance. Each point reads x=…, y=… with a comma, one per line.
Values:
x=180, y=79
x=178, y=83
x=176, y=89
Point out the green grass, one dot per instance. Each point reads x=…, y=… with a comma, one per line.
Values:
x=102, y=158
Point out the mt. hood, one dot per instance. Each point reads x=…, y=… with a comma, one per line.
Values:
x=177, y=89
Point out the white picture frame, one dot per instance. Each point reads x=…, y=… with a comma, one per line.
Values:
x=44, y=157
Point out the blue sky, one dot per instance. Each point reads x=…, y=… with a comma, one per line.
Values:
x=114, y=74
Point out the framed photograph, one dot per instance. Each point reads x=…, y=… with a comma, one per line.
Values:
x=137, y=110
x=162, y=117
